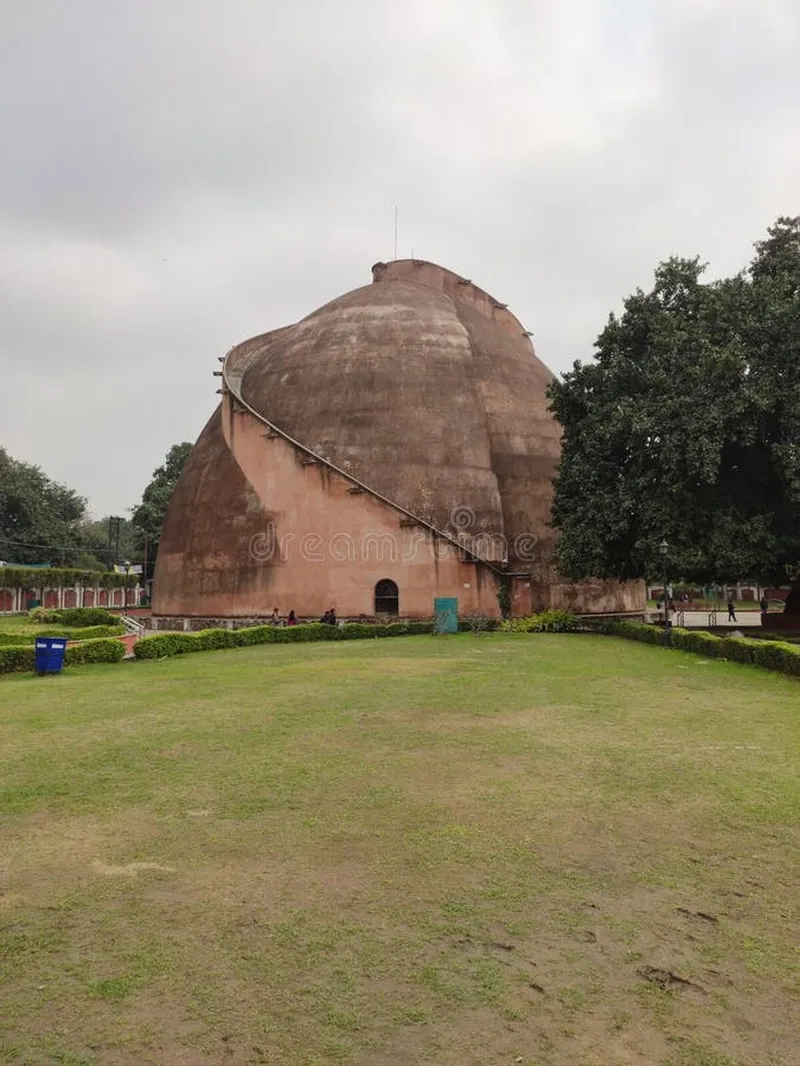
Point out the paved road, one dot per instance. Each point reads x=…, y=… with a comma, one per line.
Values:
x=699, y=619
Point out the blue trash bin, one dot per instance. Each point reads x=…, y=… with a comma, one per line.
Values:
x=49, y=654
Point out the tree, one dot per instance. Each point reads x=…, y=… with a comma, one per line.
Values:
x=686, y=427
x=39, y=518
x=98, y=539
x=148, y=517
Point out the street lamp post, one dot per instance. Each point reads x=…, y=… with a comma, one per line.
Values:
x=664, y=550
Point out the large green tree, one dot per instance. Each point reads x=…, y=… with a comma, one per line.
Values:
x=686, y=428
x=99, y=539
x=148, y=517
x=39, y=518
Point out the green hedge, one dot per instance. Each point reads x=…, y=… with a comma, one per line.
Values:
x=698, y=642
x=52, y=577
x=22, y=658
x=770, y=654
x=74, y=616
x=162, y=644
x=105, y=650
x=630, y=630
x=83, y=633
x=16, y=658
x=553, y=621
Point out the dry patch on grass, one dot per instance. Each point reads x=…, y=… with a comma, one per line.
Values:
x=504, y=855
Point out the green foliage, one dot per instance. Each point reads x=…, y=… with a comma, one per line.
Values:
x=547, y=622
x=630, y=630
x=95, y=651
x=478, y=622
x=518, y=625
x=705, y=644
x=74, y=633
x=770, y=654
x=777, y=655
x=20, y=577
x=38, y=517
x=738, y=649
x=16, y=658
x=99, y=540
x=686, y=427
x=467, y=622
x=74, y=616
x=161, y=645
x=148, y=517
x=554, y=621
x=22, y=657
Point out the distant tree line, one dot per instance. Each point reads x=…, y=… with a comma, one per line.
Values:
x=43, y=521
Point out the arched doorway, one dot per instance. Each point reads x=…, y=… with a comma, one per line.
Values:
x=387, y=597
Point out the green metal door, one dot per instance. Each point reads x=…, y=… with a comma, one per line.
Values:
x=445, y=615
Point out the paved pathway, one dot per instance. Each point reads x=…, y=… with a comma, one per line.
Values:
x=700, y=619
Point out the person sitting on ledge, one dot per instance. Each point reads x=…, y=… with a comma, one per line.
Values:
x=292, y=619
x=275, y=618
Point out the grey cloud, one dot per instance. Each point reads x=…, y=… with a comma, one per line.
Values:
x=178, y=176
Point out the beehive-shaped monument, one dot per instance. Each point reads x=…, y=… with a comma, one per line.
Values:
x=394, y=446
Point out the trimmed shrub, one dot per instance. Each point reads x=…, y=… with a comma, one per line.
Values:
x=612, y=627
x=23, y=658
x=738, y=649
x=16, y=658
x=74, y=616
x=83, y=633
x=105, y=650
x=770, y=654
x=554, y=622
x=519, y=625
x=698, y=642
x=777, y=655
x=208, y=639
x=252, y=635
x=162, y=644
x=50, y=577
x=466, y=624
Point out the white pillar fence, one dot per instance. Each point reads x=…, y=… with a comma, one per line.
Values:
x=14, y=600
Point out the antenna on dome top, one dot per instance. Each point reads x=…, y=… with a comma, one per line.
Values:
x=395, y=232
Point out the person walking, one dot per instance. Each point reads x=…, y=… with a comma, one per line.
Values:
x=763, y=603
x=731, y=608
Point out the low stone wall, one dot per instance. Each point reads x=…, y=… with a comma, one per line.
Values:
x=182, y=624
x=783, y=623
x=192, y=625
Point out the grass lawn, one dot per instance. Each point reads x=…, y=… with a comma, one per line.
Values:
x=18, y=623
x=534, y=849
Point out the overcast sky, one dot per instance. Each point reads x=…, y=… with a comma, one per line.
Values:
x=178, y=175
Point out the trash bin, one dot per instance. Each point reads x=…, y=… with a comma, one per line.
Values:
x=33, y=603
x=49, y=654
